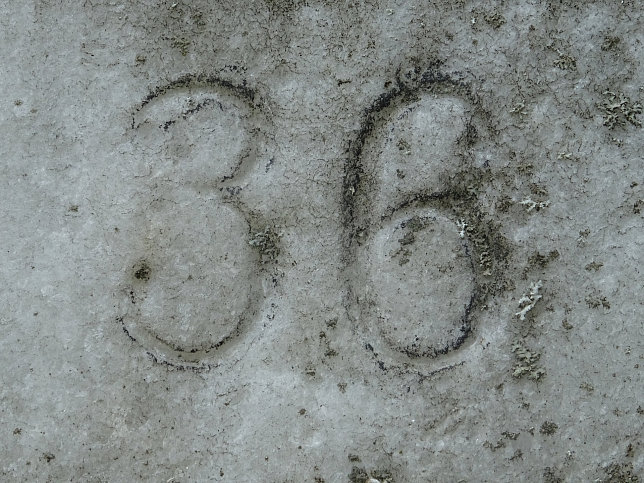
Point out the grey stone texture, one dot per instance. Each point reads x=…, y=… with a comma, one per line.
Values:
x=291, y=241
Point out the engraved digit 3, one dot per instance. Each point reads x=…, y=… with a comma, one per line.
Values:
x=194, y=283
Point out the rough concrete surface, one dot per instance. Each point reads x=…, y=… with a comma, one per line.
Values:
x=383, y=241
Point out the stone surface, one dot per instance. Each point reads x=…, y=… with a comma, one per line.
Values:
x=321, y=241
